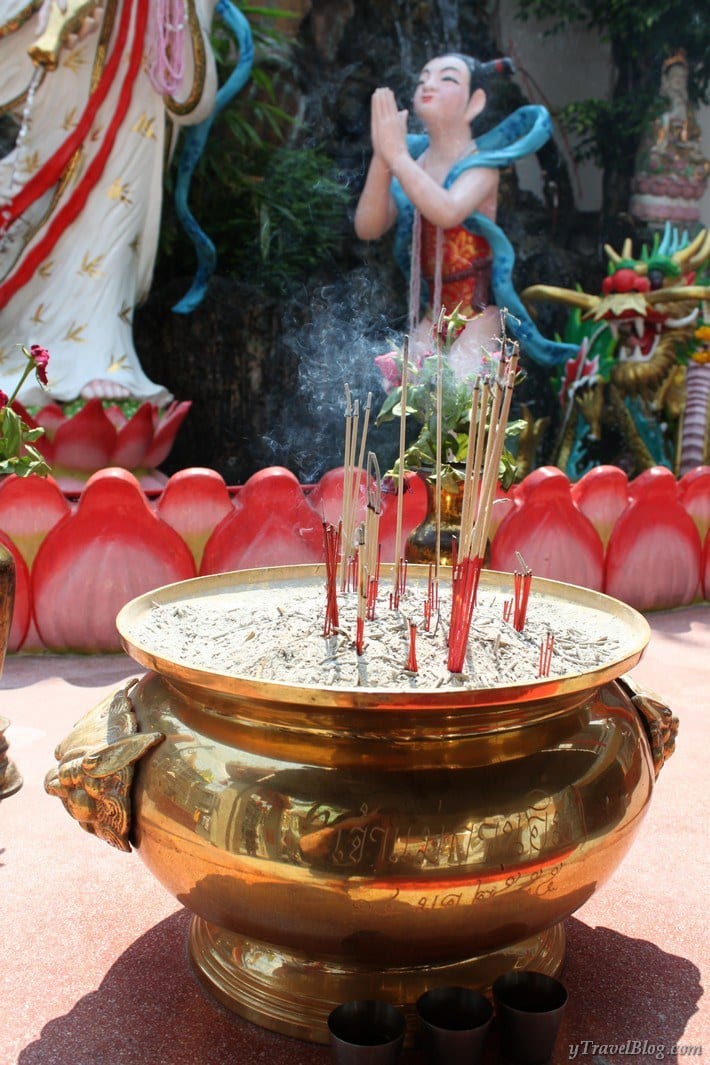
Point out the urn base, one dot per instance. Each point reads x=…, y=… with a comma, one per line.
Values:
x=293, y=993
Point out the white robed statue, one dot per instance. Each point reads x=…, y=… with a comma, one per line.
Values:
x=93, y=95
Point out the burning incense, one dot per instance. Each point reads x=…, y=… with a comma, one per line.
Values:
x=352, y=475
x=439, y=405
x=489, y=427
x=361, y=594
x=522, y=580
x=369, y=552
x=499, y=421
x=400, y=467
x=469, y=499
x=411, y=666
x=372, y=548
x=331, y=542
x=546, y=649
x=347, y=486
x=363, y=439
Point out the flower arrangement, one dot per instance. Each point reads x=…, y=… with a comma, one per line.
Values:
x=17, y=455
x=421, y=404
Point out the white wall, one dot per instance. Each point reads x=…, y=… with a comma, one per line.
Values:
x=558, y=70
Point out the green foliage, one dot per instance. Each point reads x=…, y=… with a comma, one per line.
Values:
x=596, y=125
x=647, y=32
x=455, y=417
x=274, y=212
x=641, y=36
x=127, y=406
x=17, y=455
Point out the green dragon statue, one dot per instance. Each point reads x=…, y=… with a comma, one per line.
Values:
x=638, y=393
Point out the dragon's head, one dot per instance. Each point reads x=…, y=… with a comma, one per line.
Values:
x=641, y=299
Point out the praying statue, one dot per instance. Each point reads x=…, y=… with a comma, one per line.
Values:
x=92, y=96
x=440, y=190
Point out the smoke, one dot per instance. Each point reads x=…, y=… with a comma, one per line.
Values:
x=335, y=340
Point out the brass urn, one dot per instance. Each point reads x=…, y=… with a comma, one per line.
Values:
x=335, y=844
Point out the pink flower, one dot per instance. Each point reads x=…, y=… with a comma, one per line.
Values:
x=40, y=357
x=389, y=367
x=4, y=399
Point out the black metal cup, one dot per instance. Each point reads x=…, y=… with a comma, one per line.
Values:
x=366, y=1032
x=529, y=1008
x=453, y=1024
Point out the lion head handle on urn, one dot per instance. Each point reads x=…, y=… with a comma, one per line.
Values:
x=95, y=765
x=659, y=722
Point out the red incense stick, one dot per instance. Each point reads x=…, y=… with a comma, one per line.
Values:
x=411, y=665
x=331, y=543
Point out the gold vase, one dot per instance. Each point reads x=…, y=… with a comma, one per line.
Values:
x=10, y=779
x=340, y=844
x=421, y=542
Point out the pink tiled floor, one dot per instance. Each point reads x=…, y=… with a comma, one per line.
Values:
x=94, y=960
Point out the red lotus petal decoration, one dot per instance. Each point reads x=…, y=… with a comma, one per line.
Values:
x=49, y=417
x=194, y=502
x=85, y=441
x=166, y=427
x=113, y=548
x=554, y=538
x=273, y=524
x=602, y=495
x=654, y=556
x=133, y=440
x=96, y=437
x=694, y=495
x=29, y=508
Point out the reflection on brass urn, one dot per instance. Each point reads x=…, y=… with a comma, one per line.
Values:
x=422, y=541
x=10, y=779
x=335, y=844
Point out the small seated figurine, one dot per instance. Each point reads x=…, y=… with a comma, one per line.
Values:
x=440, y=189
x=671, y=173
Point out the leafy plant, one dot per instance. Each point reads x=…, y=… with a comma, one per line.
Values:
x=421, y=406
x=17, y=455
x=274, y=212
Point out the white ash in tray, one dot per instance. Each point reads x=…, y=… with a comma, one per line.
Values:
x=276, y=634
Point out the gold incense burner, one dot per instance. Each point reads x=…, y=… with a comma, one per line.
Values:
x=340, y=844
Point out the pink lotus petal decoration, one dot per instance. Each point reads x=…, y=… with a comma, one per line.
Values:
x=29, y=508
x=97, y=438
x=654, y=556
x=93, y=561
x=694, y=495
x=602, y=495
x=194, y=502
x=554, y=538
x=273, y=524
x=87, y=558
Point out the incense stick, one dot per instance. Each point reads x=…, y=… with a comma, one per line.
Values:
x=465, y=578
x=347, y=466
x=400, y=467
x=439, y=404
x=352, y=475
